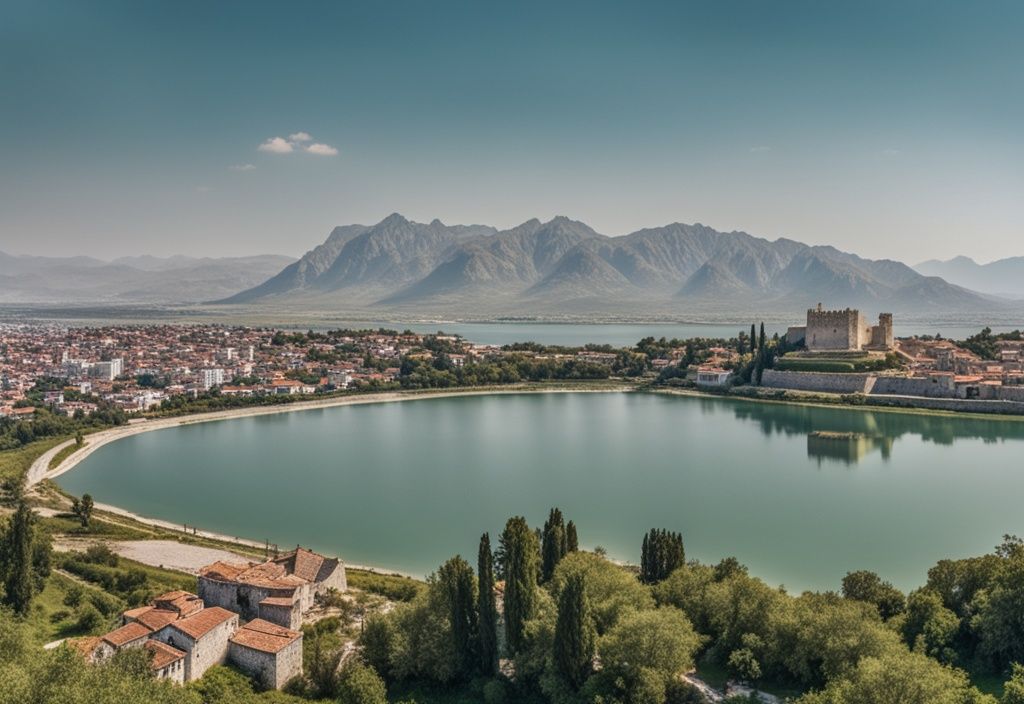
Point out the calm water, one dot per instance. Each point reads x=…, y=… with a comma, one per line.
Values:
x=406, y=485
x=628, y=334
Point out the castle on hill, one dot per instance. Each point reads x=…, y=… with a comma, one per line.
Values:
x=843, y=331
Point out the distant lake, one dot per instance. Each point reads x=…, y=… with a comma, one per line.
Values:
x=406, y=485
x=622, y=334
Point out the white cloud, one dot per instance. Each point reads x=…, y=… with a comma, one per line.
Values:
x=276, y=145
x=242, y=167
x=322, y=149
x=300, y=137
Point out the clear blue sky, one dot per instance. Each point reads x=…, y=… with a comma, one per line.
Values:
x=887, y=128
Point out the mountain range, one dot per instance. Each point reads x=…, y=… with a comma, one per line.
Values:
x=145, y=279
x=1004, y=277
x=564, y=267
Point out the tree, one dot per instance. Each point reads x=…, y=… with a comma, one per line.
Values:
x=1013, y=690
x=16, y=560
x=929, y=627
x=899, y=677
x=753, y=338
x=360, y=684
x=574, y=634
x=83, y=509
x=455, y=579
x=660, y=555
x=79, y=438
x=762, y=339
x=487, y=645
x=611, y=591
x=572, y=542
x=863, y=585
x=553, y=543
x=519, y=560
x=661, y=640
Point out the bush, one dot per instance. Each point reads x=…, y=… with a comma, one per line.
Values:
x=89, y=618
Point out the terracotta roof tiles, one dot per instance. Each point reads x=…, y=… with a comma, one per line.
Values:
x=163, y=654
x=264, y=636
x=199, y=624
x=126, y=634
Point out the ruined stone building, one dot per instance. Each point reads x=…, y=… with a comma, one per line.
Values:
x=280, y=591
x=843, y=331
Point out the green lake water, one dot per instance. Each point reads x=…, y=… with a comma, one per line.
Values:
x=406, y=485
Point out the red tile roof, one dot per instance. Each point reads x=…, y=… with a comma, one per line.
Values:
x=155, y=619
x=198, y=625
x=126, y=634
x=264, y=636
x=163, y=654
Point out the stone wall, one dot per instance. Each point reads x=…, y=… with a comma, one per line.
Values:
x=950, y=404
x=201, y=654
x=1012, y=393
x=287, y=616
x=271, y=670
x=906, y=386
x=818, y=381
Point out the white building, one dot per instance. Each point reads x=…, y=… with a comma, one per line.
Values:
x=107, y=370
x=208, y=378
x=713, y=376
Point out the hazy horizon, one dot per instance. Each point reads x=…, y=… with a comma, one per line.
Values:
x=890, y=130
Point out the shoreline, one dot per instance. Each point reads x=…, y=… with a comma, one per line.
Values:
x=812, y=402
x=39, y=470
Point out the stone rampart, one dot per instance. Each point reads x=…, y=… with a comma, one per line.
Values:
x=818, y=381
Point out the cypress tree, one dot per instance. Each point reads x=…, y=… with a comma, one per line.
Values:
x=662, y=553
x=488, y=612
x=753, y=338
x=17, y=557
x=740, y=347
x=552, y=543
x=456, y=579
x=761, y=342
x=575, y=634
x=572, y=543
x=519, y=549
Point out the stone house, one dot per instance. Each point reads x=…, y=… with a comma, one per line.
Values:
x=203, y=637
x=167, y=663
x=281, y=590
x=271, y=654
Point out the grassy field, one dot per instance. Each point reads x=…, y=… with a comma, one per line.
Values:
x=393, y=586
x=14, y=463
x=63, y=455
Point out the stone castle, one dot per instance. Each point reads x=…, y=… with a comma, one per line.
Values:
x=843, y=331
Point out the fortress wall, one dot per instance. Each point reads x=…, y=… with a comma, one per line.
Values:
x=1011, y=393
x=904, y=386
x=818, y=381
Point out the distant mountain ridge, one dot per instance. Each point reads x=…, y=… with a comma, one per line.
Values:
x=127, y=280
x=1004, y=277
x=565, y=267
